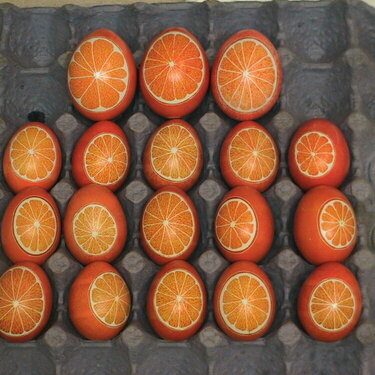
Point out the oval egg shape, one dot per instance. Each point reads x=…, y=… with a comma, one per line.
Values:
x=95, y=227
x=169, y=225
x=102, y=76
x=173, y=156
x=101, y=156
x=25, y=303
x=246, y=77
x=244, y=301
x=174, y=74
x=325, y=226
x=177, y=301
x=99, y=302
x=31, y=226
x=32, y=157
x=318, y=155
x=249, y=156
x=244, y=225
x=330, y=302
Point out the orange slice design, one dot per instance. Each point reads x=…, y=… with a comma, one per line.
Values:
x=22, y=301
x=247, y=75
x=178, y=300
x=110, y=299
x=174, y=153
x=33, y=154
x=168, y=224
x=106, y=159
x=235, y=225
x=94, y=229
x=337, y=224
x=314, y=154
x=332, y=305
x=98, y=75
x=245, y=303
x=35, y=225
x=173, y=68
x=252, y=155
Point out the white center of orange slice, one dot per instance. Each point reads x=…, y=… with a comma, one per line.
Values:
x=245, y=303
x=178, y=300
x=98, y=75
x=252, y=155
x=35, y=225
x=235, y=225
x=110, y=299
x=168, y=224
x=337, y=224
x=247, y=75
x=94, y=229
x=174, y=153
x=332, y=305
x=173, y=68
x=33, y=154
x=22, y=301
x=314, y=154
x=106, y=159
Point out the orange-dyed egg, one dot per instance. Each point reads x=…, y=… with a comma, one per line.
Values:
x=102, y=76
x=32, y=158
x=169, y=225
x=101, y=156
x=174, y=73
x=31, y=226
x=99, y=302
x=246, y=77
x=173, y=156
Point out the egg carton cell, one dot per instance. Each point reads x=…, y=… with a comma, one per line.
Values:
x=317, y=32
x=40, y=46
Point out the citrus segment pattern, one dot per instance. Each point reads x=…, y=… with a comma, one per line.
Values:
x=332, y=305
x=314, y=154
x=174, y=153
x=22, y=301
x=337, y=224
x=178, y=300
x=245, y=303
x=95, y=229
x=35, y=225
x=252, y=155
x=174, y=68
x=33, y=154
x=106, y=159
x=98, y=75
x=235, y=225
x=110, y=299
x=168, y=224
x=247, y=75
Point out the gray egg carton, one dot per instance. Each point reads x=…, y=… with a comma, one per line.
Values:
x=328, y=55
